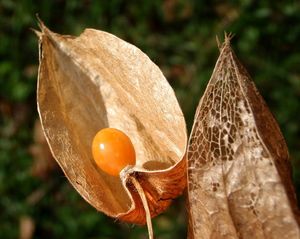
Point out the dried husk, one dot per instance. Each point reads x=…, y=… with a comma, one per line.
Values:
x=97, y=80
x=239, y=174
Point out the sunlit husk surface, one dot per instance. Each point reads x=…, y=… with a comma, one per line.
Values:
x=239, y=178
x=95, y=81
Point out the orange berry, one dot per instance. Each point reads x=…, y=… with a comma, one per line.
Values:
x=112, y=151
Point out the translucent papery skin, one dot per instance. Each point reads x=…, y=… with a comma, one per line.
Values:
x=96, y=81
x=239, y=179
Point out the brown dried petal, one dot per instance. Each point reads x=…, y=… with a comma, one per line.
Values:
x=239, y=177
x=97, y=80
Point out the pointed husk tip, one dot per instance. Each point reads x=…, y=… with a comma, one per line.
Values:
x=227, y=40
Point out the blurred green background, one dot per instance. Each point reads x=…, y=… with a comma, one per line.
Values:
x=179, y=36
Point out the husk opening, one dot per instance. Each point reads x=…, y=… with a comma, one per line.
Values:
x=98, y=80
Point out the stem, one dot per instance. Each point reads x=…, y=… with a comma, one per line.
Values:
x=145, y=204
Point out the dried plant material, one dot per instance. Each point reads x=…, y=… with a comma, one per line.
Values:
x=142, y=195
x=239, y=177
x=95, y=81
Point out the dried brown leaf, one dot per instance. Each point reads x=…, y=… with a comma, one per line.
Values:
x=97, y=80
x=239, y=177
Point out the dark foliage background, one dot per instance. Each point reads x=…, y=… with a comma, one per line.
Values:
x=179, y=36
